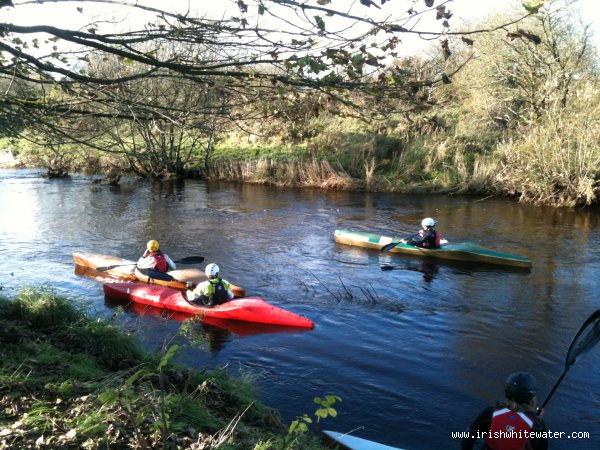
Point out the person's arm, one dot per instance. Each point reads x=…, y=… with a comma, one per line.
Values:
x=146, y=262
x=199, y=293
x=416, y=240
x=481, y=424
x=227, y=286
x=170, y=262
x=538, y=427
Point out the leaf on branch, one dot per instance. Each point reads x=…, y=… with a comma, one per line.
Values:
x=521, y=33
x=446, y=79
x=446, y=49
x=467, y=41
x=429, y=3
x=261, y=9
x=391, y=27
x=80, y=9
x=320, y=23
x=243, y=7
x=323, y=2
x=442, y=13
x=533, y=6
x=368, y=3
x=372, y=60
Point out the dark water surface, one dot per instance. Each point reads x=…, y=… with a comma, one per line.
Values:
x=414, y=353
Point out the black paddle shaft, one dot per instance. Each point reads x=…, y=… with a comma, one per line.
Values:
x=585, y=339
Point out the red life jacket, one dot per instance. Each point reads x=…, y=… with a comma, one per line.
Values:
x=160, y=262
x=508, y=430
x=425, y=244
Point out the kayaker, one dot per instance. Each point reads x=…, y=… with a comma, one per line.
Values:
x=427, y=236
x=508, y=425
x=154, y=259
x=213, y=291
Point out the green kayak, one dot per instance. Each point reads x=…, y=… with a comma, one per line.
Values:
x=465, y=251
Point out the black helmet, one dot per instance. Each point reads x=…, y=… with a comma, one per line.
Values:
x=520, y=387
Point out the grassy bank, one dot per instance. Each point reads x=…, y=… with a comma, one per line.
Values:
x=71, y=381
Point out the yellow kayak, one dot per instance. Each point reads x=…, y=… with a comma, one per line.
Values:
x=127, y=270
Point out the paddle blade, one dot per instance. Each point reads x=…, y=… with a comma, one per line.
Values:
x=586, y=338
x=190, y=260
x=388, y=247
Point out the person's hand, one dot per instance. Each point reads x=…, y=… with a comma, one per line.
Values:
x=189, y=285
x=540, y=412
x=146, y=253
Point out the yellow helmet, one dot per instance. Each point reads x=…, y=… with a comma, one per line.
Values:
x=152, y=246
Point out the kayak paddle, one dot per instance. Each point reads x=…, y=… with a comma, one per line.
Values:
x=391, y=245
x=585, y=339
x=187, y=260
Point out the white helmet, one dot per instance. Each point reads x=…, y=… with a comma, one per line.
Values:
x=428, y=222
x=211, y=270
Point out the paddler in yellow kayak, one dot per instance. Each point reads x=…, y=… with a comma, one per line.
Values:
x=154, y=259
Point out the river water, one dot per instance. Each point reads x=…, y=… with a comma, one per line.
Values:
x=414, y=353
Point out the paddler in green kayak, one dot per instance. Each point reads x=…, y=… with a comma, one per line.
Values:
x=427, y=236
x=211, y=292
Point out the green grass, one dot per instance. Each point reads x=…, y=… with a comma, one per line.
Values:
x=67, y=380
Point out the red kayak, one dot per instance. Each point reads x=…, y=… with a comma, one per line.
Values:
x=249, y=309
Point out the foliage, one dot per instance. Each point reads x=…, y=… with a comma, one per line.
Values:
x=69, y=381
x=558, y=161
x=157, y=94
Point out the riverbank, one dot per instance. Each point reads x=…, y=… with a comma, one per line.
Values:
x=71, y=381
x=8, y=160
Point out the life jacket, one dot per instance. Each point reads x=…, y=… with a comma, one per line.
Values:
x=219, y=292
x=425, y=243
x=508, y=430
x=160, y=262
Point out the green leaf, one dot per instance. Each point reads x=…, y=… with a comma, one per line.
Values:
x=322, y=413
x=170, y=353
x=320, y=23
x=109, y=396
x=304, y=61
x=533, y=6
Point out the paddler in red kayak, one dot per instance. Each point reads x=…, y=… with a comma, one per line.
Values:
x=513, y=424
x=213, y=291
x=427, y=237
x=154, y=259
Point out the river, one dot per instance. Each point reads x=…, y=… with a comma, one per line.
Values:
x=414, y=353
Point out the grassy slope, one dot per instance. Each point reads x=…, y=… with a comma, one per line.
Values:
x=69, y=381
